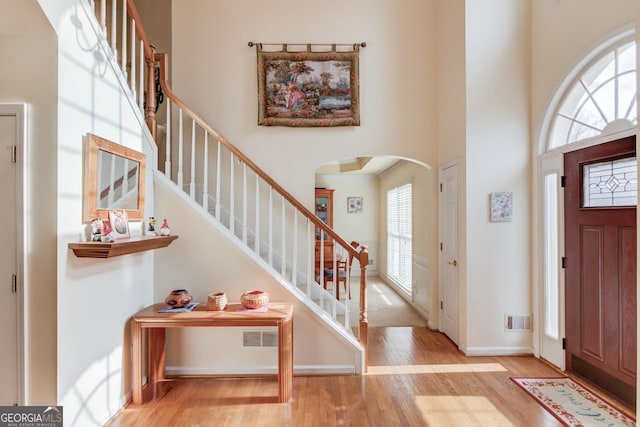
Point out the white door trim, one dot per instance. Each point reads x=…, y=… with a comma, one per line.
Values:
x=545, y=346
x=19, y=111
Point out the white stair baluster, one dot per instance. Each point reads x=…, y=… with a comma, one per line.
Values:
x=141, y=82
x=283, y=257
x=257, y=230
x=244, y=203
x=310, y=261
x=167, y=158
x=133, y=58
x=218, y=163
x=124, y=38
x=294, y=250
x=192, y=182
x=270, y=256
x=232, y=221
x=180, y=149
x=103, y=16
x=114, y=20
x=205, y=178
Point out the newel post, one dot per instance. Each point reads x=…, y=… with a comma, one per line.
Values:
x=364, y=321
x=150, y=110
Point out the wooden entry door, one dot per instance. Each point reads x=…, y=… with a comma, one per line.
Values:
x=600, y=249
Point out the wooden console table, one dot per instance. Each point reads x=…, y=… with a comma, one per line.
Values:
x=279, y=315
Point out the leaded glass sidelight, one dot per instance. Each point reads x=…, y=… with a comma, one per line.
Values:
x=611, y=183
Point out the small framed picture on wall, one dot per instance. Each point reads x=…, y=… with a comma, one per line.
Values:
x=354, y=204
x=501, y=206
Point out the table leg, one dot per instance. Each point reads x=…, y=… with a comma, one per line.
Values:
x=285, y=360
x=157, y=355
x=136, y=359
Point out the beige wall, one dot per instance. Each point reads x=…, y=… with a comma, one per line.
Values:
x=498, y=41
x=28, y=75
x=214, y=71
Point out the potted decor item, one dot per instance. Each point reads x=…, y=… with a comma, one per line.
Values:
x=217, y=301
x=254, y=299
x=178, y=298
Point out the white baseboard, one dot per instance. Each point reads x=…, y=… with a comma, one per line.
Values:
x=261, y=370
x=498, y=351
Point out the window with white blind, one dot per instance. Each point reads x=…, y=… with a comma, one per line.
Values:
x=399, y=235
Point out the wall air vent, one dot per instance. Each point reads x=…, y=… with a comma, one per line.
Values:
x=260, y=339
x=252, y=339
x=517, y=322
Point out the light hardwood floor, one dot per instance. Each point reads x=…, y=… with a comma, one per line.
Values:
x=417, y=377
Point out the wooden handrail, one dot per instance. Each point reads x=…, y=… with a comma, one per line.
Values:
x=161, y=58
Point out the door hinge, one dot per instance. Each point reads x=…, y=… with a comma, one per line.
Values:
x=14, y=154
x=441, y=246
x=563, y=181
x=441, y=305
x=564, y=262
x=14, y=283
x=564, y=343
x=441, y=187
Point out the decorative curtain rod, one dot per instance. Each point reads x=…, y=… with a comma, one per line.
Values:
x=308, y=45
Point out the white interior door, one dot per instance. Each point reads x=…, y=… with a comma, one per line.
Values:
x=449, y=246
x=8, y=262
x=551, y=295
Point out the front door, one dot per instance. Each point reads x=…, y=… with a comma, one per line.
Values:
x=8, y=263
x=600, y=249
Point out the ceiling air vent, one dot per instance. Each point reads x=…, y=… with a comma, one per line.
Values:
x=517, y=322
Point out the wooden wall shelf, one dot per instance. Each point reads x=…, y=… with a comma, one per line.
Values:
x=120, y=247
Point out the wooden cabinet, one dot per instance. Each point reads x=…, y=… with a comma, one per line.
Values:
x=324, y=211
x=324, y=208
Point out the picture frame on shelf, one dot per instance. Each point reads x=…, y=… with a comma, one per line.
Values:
x=119, y=224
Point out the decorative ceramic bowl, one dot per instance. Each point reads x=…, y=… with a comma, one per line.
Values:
x=254, y=299
x=217, y=301
x=178, y=298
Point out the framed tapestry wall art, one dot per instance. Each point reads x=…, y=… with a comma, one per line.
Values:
x=308, y=88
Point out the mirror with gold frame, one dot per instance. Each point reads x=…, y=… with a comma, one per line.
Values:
x=113, y=179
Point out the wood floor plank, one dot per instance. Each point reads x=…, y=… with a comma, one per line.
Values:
x=417, y=378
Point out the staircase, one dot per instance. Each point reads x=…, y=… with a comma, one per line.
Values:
x=213, y=176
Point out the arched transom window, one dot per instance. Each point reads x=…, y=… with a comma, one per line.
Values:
x=602, y=100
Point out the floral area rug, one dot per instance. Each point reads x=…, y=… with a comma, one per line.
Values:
x=572, y=403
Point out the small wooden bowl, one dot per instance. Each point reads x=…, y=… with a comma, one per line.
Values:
x=254, y=299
